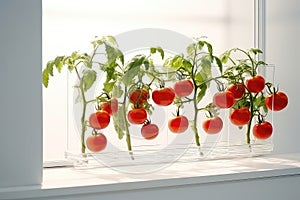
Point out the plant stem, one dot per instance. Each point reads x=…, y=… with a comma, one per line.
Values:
x=128, y=140
x=197, y=139
x=251, y=118
x=84, y=104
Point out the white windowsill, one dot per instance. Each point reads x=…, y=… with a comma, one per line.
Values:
x=69, y=181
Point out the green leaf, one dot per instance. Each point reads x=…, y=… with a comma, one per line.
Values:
x=113, y=54
x=146, y=64
x=261, y=63
x=176, y=62
x=219, y=63
x=59, y=63
x=108, y=87
x=88, y=78
x=120, y=122
x=111, y=39
x=209, y=48
x=191, y=50
x=187, y=65
x=117, y=91
x=133, y=69
x=225, y=56
x=259, y=102
x=128, y=77
x=153, y=50
x=161, y=51
x=49, y=67
x=45, y=77
x=255, y=50
x=199, y=79
x=201, y=92
x=200, y=45
x=75, y=55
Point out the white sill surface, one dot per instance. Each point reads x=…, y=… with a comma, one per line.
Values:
x=70, y=181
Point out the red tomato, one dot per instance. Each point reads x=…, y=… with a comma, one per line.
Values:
x=263, y=130
x=240, y=116
x=223, y=99
x=183, y=88
x=277, y=101
x=149, y=131
x=99, y=120
x=238, y=90
x=111, y=107
x=212, y=125
x=255, y=84
x=178, y=124
x=164, y=96
x=137, y=115
x=96, y=143
x=138, y=96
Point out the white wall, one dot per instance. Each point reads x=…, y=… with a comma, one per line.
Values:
x=20, y=93
x=282, y=49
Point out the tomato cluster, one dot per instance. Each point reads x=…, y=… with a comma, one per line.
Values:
x=163, y=96
x=100, y=120
x=236, y=97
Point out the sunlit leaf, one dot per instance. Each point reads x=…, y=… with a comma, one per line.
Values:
x=201, y=92
x=88, y=77
x=108, y=87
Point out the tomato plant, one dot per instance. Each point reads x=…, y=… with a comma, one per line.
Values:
x=149, y=131
x=96, y=142
x=137, y=115
x=223, y=99
x=138, y=97
x=262, y=130
x=255, y=84
x=212, y=125
x=127, y=86
x=238, y=90
x=276, y=101
x=99, y=120
x=183, y=88
x=163, y=96
x=240, y=116
x=178, y=124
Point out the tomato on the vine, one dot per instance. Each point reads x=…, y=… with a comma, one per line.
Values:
x=223, y=99
x=137, y=115
x=212, y=125
x=178, y=124
x=96, y=143
x=111, y=106
x=99, y=120
x=277, y=101
x=183, y=88
x=238, y=90
x=255, y=84
x=149, y=131
x=163, y=96
x=139, y=96
x=262, y=130
x=240, y=116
